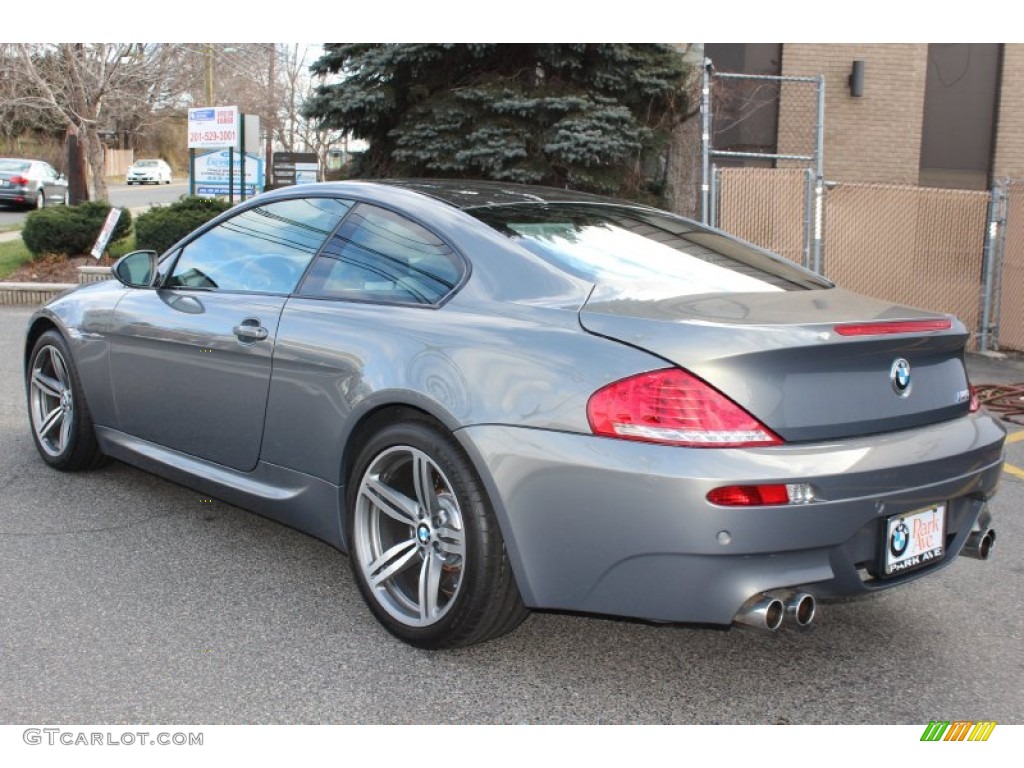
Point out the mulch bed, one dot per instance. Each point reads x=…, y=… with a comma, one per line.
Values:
x=55, y=269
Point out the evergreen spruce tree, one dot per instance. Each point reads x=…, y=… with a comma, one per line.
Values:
x=593, y=117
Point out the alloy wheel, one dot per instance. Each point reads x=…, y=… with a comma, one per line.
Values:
x=409, y=536
x=51, y=400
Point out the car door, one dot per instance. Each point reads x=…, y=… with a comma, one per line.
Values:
x=191, y=360
x=352, y=318
x=50, y=184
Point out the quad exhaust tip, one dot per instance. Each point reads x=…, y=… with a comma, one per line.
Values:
x=767, y=611
x=979, y=544
x=800, y=608
x=761, y=612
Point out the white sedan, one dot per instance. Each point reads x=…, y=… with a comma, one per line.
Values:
x=146, y=171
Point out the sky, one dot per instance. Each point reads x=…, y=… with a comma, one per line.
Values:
x=521, y=20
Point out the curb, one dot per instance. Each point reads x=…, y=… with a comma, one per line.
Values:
x=13, y=294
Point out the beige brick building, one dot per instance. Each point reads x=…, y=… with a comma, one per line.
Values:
x=915, y=154
x=938, y=115
x=875, y=137
x=1009, y=160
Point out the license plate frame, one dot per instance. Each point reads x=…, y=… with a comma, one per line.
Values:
x=912, y=540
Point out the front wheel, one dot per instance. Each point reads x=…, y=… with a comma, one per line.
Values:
x=61, y=425
x=425, y=546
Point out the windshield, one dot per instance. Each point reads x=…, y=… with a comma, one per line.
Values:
x=608, y=244
x=14, y=165
x=146, y=163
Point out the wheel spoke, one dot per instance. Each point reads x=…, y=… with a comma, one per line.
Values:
x=65, y=429
x=50, y=421
x=393, y=561
x=423, y=476
x=430, y=582
x=59, y=368
x=47, y=385
x=389, y=501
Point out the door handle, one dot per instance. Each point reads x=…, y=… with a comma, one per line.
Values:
x=250, y=330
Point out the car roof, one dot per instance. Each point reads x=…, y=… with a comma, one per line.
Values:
x=465, y=193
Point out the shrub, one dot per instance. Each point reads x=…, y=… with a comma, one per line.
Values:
x=159, y=228
x=71, y=230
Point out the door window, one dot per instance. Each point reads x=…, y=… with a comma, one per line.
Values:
x=380, y=256
x=263, y=250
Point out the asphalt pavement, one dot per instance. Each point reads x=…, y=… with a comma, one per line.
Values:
x=128, y=599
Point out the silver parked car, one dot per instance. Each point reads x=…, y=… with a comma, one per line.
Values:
x=31, y=183
x=498, y=398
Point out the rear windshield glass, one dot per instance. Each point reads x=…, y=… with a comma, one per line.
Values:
x=14, y=165
x=623, y=246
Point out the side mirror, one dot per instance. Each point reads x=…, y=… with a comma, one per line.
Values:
x=137, y=269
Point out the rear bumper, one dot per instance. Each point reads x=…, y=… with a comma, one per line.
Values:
x=609, y=526
x=16, y=195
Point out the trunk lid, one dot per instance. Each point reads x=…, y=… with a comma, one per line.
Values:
x=779, y=356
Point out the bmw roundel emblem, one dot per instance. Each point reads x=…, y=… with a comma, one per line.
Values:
x=423, y=533
x=899, y=539
x=900, y=377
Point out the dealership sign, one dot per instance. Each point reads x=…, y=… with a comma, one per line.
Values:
x=214, y=172
x=213, y=127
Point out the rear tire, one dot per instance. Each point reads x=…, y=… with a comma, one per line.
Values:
x=40, y=200
x=62, y=427
x=424, y=544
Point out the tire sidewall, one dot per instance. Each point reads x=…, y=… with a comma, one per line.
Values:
x=476, y=515
x=68, y=458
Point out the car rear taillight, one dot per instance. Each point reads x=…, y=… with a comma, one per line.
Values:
x=18, y=181
x=975, y=402
x=674, y=407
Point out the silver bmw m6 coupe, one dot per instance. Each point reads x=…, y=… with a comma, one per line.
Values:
x=498, y=398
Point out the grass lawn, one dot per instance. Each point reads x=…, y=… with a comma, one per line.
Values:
x=13, y=254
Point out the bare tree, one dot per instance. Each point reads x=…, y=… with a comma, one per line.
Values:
x=84, y=92
x=300, y=133
x=85, y=87
x=271, y=80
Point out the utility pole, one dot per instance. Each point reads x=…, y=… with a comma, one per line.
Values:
x=209, y=74
x=271, y=113
x=77, y=139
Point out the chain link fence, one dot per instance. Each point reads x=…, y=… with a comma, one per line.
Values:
x=918, y=246
x=1010, y=286
x=771, y=122
x=770, y=208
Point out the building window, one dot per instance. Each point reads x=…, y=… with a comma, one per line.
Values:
x=745, y=112
x=961, y=95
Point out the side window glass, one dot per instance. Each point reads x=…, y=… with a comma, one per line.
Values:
x=262, y=250
x=380, y=256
